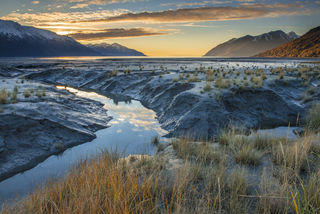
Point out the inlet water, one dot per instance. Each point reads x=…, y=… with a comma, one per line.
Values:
x=130, y=132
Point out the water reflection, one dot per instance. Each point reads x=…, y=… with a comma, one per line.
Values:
x=130, y=132
x=129, y=111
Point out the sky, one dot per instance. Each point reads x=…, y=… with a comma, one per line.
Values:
x=163, y=27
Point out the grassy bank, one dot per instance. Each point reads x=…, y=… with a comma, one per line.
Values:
x=233, y=174
x=238, y=175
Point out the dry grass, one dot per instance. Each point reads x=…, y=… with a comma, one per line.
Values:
x=308, y=199
x=262, y=142
x=100, y=186
x=292, y=155
x=243, y=148
x=114, y=73
x=207, y=87
x=175, y=79
x=3, y=96
x=247, y=155
x=183, y=147
x=313, y=118
x=222, y=83
x=265, y=142
x=14, y=94
x=107, y=185
x=244, y=151
x=193, y=78
x=210, y=75
x=205, y=183
x=27, y=93
x=273, y=196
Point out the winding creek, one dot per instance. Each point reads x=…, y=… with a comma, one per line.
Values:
x=130, y=132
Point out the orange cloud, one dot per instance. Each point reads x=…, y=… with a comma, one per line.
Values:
x=99, y=2
x=117, y=33
x=247, y=11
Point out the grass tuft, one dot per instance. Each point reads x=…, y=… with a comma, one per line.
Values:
x=313, y=118
x=3, y=96
x=207, y=87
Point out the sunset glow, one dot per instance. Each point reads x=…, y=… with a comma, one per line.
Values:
x=163, y=28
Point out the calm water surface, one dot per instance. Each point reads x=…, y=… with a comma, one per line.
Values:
x=130, y=132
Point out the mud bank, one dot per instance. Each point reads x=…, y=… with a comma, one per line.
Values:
x=41, y=120
x=183, y=107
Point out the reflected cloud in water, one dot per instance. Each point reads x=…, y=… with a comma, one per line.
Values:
x=130, y=132
x=131, y=111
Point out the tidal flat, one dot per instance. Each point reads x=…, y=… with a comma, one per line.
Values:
x=209, y=112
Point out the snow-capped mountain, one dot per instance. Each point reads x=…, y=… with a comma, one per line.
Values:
x=24, y=41
x=248, y=45
x=13, y=29
x=114, y=49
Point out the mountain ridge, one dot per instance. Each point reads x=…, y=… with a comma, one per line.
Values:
x=308, y=45
x=114, y=49
x=248, y=45
x=25, y=41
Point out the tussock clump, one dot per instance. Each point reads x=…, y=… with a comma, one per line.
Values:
x=3, y=96
x=265, y=142
x=207, y=87
x=226, y=136
x=183, y=147
x=210, y=75
x=244, y=151
x=313, y=118
x=193, y=78
x=222, y=83
x=14, y=94
x=293, y=155
x=27, y=93
x=114, y=73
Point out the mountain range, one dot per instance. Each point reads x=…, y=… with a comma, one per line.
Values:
x=24, y=41
x=248, y=45
x=307, y=45
x=114, y=49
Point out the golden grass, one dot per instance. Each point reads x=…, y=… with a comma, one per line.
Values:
x=3, y=96
x=313, y=118
x=207, y=87
x=293, y=155
x=222, y=83
x=207, y=182
x=99, y=186
x=244, y=151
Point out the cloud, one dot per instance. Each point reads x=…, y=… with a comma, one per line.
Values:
x=117, y=33
x=247, y=11
x=99, y=2
x=199, y=3
x=79, y=6
x=58, y=18
x=246, y=0
x=198, y=14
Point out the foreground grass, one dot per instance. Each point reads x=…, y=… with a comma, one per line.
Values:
x=214, y=178
x=234, y=174
x=313, y=118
